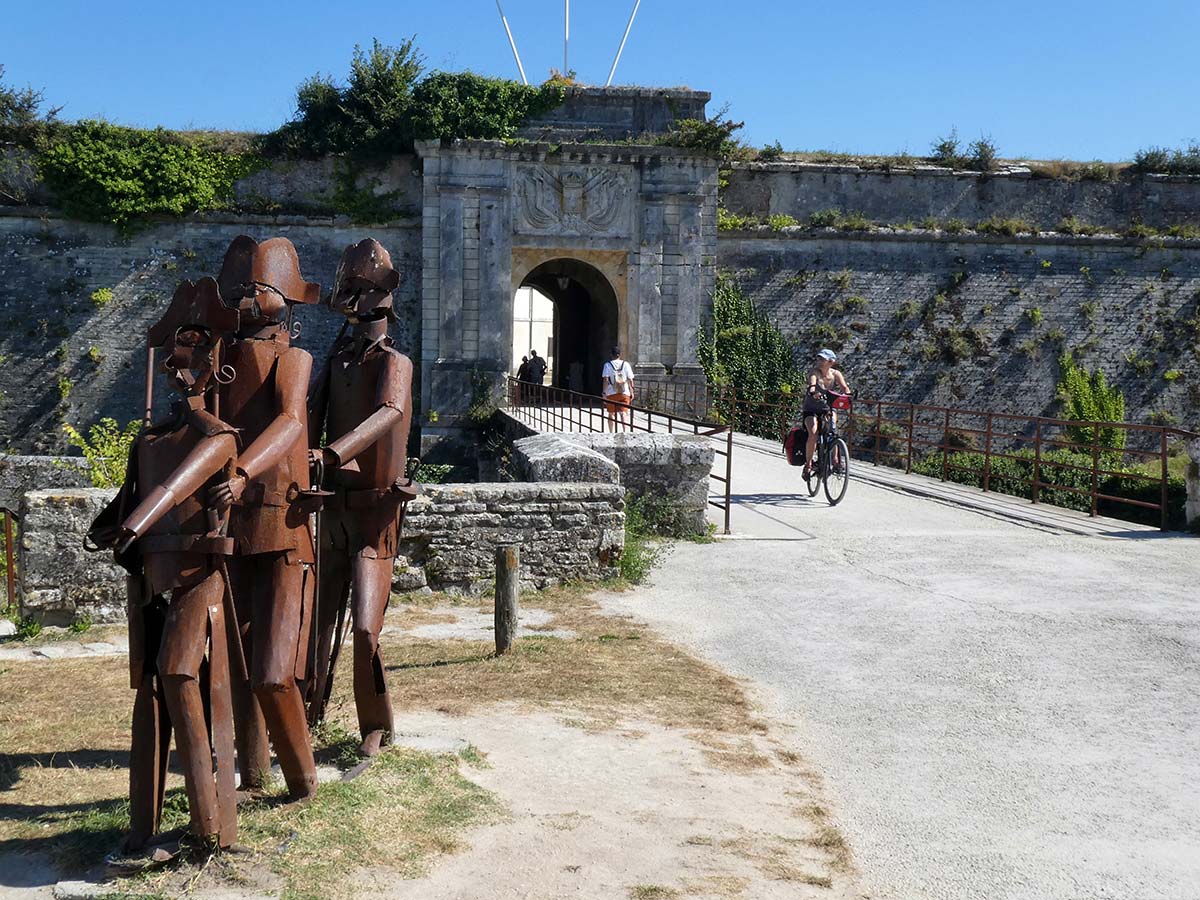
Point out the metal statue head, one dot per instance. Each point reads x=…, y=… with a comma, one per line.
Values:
x=262, y=280
x=189, y=335
x=362, y=288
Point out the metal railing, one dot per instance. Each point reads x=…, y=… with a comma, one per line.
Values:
x=558, y=409
x=1080, y=465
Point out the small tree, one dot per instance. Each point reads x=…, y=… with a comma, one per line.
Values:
x=106, y=448
x=743, y=351
x=1087, y=397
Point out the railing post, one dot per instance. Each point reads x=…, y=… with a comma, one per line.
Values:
x=1095, y=469
x=728, y=475
x=911, y=423
x=945, y=433
x=1037, y=459
x=987, y=455
x=1165, y=496
x=878, y=425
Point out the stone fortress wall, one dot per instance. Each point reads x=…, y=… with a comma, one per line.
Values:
x=1125, y=305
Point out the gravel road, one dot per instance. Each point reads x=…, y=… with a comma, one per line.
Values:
x=1001, y=711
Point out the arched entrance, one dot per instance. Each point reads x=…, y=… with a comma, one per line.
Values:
x=585, y=322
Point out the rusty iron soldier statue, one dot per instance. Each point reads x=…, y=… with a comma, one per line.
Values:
x=272, y=575
x=363, y=405
x=174, y=546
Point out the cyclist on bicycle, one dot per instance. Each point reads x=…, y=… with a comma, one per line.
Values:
x=823, y=378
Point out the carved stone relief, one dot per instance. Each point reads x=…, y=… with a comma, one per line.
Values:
x=582, y=200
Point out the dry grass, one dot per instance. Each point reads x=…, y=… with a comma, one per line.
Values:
x=64, y=732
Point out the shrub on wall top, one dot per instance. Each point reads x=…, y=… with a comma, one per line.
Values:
x=109, y=173
x=386, y=105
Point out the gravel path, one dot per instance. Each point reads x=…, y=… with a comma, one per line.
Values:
x=1002, y=711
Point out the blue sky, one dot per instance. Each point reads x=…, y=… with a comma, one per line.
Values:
x=1064, y=78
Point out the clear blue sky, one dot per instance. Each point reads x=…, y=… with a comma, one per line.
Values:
x=1079, y=79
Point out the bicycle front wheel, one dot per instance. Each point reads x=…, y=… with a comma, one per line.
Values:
x=813, y=482
x=837, y=474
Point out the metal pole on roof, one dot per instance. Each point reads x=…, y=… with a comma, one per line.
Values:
x=512, y=43
x=613, y=70
x=566, y=35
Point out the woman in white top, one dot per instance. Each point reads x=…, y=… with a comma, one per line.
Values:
x=617, y=377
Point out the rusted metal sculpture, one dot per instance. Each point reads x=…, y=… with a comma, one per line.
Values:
x=272, y=571
x=363, y=405
x=174, y=544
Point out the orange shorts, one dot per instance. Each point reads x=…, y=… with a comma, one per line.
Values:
x=615, y=403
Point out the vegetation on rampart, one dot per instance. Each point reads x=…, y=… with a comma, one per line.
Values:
x=100, y=171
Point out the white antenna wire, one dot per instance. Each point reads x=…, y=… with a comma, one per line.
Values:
x=613, y=70
x=566, y=35
x=512, y=43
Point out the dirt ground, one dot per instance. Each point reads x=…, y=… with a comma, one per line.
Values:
x=596, y=760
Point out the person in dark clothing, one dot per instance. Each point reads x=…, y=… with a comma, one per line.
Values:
x=523, y=378
x=537, y=368
x=537, y=375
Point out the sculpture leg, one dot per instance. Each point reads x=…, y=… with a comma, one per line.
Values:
x=250, y=733
x=149, y=752
x=193, y=617
x=150, y=746
x=372, y=580
x=281, y=603
x=334, y=592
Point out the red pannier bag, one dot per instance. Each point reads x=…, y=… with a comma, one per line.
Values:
x=793, y=445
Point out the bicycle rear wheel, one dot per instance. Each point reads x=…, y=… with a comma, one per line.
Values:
x=837, y=477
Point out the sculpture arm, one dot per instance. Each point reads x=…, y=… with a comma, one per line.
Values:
x=278, y=438
x=393, y=395
x=205, y=460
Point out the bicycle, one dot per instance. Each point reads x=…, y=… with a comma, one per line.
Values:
x=832, y=469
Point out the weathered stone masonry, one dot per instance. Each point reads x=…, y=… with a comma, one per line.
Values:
x=567, y=532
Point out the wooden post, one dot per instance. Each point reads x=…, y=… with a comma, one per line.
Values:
x=911, y=423
x=10, y=563
x=508, y=581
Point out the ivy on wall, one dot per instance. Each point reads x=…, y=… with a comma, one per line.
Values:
x=109, y=173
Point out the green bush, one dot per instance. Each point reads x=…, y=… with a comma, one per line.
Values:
x=108, y=173
x=640, y=553
x=385, y=105
x=1163, y=161
x=106, y=448
x=781, y=221
x=1087, y=397
x=741, y=349
x=465, y=105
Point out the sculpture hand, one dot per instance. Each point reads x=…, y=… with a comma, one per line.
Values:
x=227, y=493
x=323, y=456
x=127, y=537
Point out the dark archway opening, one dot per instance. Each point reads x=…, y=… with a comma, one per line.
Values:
x=586, y=322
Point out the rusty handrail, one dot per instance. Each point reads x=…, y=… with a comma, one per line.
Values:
x=547, y=412
x=995, y=432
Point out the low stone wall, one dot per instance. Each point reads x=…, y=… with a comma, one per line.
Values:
x=673, y=469
x=567, y=532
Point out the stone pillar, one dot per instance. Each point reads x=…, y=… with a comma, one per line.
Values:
x=450, y=264
x=645, y=306
x=689, y=288
x=495, y=283
x=1192, y=510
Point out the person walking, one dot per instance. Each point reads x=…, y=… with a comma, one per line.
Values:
x=522, y=379
x=537, y=375
x=617, y=378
